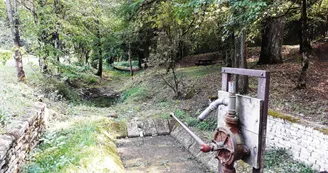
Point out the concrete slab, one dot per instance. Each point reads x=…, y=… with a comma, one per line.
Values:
x=157, y=154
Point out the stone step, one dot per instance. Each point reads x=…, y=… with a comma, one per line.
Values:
x=148, y=127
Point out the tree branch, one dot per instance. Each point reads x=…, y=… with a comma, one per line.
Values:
x=288, y=10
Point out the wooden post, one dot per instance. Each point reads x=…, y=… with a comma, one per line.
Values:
x=263, y=93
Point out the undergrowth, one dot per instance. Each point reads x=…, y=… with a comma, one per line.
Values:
x=126, y=63
x=208, y=124
x=279, y=160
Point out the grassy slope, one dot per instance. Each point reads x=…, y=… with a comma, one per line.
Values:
x=80, y=138
x=86, y=145
x=15, y=97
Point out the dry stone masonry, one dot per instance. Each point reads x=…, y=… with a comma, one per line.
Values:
x=21, y=138
x=305, y=143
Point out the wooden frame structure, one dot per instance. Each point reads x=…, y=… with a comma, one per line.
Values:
x=263, y=94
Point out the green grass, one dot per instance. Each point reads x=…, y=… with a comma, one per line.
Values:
x=208, y=124
x=199, y=71
x=126, y=63
x=15, y=97
x=279, y=160
x=85, y=146
x=135, y=93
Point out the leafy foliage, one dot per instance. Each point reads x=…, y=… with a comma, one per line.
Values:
x=5, y=56
x=279, y=160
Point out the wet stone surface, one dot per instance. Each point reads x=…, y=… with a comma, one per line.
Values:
x=157, y=154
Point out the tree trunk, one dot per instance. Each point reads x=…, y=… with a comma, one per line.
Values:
x=55, y=34
x=140, y=58
x=14, y=26
x=272, y=39
x=130, y=59
x=230, y=51
x=100, y=63
x=87, y=57
x=100, y=59
x=241, y=62
x=302, y=78
x=305, y=45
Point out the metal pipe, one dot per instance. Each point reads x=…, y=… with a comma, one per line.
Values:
x=232, y=98
x=198, y=140
x=211, y=107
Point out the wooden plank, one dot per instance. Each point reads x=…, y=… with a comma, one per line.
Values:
x=252, y=143
x=249, y=112
x=247, y=72
x=225, y=80
x=263, y=93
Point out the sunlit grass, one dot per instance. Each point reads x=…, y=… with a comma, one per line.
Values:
x=87, y=145
x=199, y=71
x=15, y=97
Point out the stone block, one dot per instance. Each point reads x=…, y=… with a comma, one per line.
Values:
x=299, y=126
x=296, y=153
x=316, y=154
x=17, y=130
x=305, y=152
x=316, y=166
x=2, y=162
x=133, y=130
x=5, y=144
x=148, y=127
x=162, y=126
x=324, y=167
x=30, y=118
x=312, y=161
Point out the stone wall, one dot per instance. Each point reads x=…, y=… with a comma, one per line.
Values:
x=20, y=138
x=305, y=143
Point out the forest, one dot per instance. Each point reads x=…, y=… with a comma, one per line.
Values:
x=98, y=64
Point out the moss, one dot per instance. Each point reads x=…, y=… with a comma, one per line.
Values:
x=119, y=128
x=283, y=116
x=322, y=130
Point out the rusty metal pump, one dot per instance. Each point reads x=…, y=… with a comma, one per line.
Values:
x=227, y=142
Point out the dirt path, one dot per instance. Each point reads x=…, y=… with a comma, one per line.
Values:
x=158, y=154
